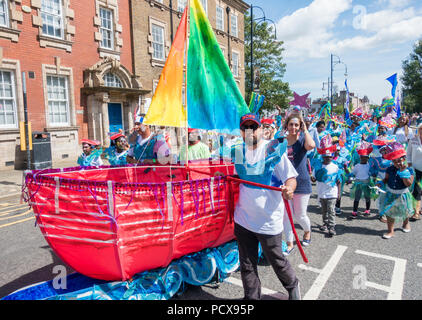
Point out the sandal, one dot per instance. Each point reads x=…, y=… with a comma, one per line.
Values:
x=415, y=217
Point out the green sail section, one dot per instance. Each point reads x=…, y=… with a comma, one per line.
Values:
x=213, y=98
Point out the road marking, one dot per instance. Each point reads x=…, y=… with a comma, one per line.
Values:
x=324, y=274
x=395, y=289
x=11, y=195
x=419, y=265
x=264, y=291
x=4, y=213
x=19, y=221
x=18, y=215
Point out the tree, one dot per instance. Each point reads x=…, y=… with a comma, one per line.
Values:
x=268, y=59
x=412, y=80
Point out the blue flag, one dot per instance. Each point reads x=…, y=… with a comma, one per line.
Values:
x=346, y=107
x=394, y=83
x=398, y=109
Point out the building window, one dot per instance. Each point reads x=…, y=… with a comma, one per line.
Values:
x=234, y=29
x=235, y=59
x=7, y=100
x=181, y=5
x=4, y=16
x=52, y=18
x=158, y=42
x=58, y=101
x=205, y=6
x=220, y=18
x=106, y=28
x=111, y=80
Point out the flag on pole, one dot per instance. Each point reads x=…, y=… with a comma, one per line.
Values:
x=346, y=107
x=394, y=83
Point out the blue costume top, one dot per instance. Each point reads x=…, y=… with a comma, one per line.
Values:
x=92, y=160
x=262, y=171
x=116, y=159
x=149, y=150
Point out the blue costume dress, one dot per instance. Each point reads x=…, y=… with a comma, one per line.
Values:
x=397, y=202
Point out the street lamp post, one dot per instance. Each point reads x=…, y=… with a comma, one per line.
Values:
x=333, y=64
x=261, y=19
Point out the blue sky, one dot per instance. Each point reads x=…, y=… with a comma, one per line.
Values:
x=372, y=37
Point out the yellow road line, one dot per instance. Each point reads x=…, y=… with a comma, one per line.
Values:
x=22, y=214
x=3, y=213
x=7, y=205
x=19, y=221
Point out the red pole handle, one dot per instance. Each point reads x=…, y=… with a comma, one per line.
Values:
x=286, y=204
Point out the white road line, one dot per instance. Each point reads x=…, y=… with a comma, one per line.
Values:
x=264, y=291
x=324, y=274
x=397, y=279
x=419, y=265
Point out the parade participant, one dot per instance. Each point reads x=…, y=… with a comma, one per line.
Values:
x=149, y=147
x=317, y=131
x=414, y=156
x=196, y=148
x=396, y=203
x=361, y=184
x=268, y=126
x=91, y=156
x=259, y=212
x=341, y=159
x=299, y=142
x=117, y=152
x=402, y=131
x=327, y=176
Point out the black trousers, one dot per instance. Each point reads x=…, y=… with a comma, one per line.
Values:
x=417, y=190
x=248, y=258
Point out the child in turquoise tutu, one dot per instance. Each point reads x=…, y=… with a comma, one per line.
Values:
x=362, y=180
x=396, y=203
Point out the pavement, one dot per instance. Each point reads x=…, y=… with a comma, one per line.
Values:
x=11, y=180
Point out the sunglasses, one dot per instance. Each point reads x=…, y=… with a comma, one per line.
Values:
x=254, y=127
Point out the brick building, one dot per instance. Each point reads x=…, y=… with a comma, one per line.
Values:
x=77, y=59
x=89, y=63
x=155, y=24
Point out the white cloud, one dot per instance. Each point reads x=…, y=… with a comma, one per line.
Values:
x=309, y=31
x=310, y=26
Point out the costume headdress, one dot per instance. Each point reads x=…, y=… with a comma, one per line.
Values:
x=326, y=146
x=393, y=151
x=364, y=149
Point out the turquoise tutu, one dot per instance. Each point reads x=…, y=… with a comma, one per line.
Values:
x=396, y=205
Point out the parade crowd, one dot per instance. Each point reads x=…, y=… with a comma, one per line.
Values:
x=378, y=155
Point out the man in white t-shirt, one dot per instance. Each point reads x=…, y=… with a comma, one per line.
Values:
x=259, y=216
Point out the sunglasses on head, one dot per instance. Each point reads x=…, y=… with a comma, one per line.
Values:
x=248, y=127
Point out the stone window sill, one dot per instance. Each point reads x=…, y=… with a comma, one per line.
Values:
x=9, y=33
x=46, y=41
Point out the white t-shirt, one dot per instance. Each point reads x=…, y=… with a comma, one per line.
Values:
x=261, y=210
x=414, y=153
x=324, y=190
x=361, y=171
x=401, y=135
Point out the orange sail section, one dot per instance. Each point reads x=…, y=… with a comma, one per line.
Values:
x=166, y=107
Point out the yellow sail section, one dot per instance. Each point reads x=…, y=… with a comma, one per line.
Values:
x=166, y=107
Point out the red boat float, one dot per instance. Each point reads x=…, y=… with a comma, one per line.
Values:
x=110, y=223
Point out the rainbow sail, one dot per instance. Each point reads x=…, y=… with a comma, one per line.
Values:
x=214, y=101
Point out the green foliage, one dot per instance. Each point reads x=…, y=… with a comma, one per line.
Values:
x=339, y=109
x=412, y=80
x=267, y=57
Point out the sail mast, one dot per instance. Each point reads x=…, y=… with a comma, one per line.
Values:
x=185, y=70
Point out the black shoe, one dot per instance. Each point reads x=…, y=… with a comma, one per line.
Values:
x=332, y=231
x=323, y=228
x=294, y=294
